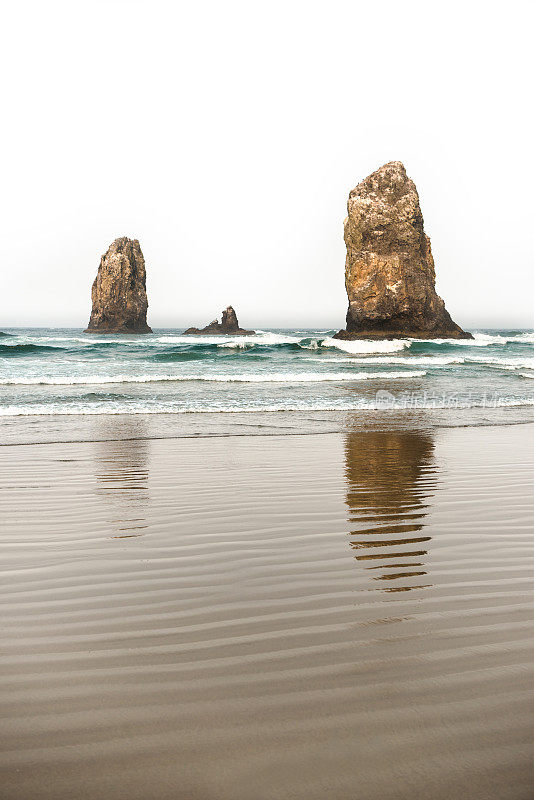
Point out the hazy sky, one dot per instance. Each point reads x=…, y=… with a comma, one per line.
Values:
x=226, y=137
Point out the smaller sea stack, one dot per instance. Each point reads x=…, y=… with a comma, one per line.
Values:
x=119, y=290
x=389, y=269
x=228, y=326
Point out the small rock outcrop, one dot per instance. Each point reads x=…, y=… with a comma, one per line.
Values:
x=228, y=325
x=119, y=290
x=389, y=269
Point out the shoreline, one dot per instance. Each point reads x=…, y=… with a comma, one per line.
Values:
x=65, y=428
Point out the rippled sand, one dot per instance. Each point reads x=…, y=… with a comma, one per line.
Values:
x=344, y=615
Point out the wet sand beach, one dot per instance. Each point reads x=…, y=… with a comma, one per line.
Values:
x=346, y=614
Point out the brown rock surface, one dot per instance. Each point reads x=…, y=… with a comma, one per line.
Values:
x=228, y=325
x=389, y=269
x=119, y=290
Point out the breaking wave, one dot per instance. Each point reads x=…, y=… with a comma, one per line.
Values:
x=126, y=407
x=272, y=377
x=11, y=350
x=359, y=346
x=413, y=361
x=481, y=340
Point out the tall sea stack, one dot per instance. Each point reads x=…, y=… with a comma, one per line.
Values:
x=119, y=290
x=389, y=270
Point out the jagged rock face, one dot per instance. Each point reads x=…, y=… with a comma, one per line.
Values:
x=389, y=270
x=119, y=291
x=229, y=320
x=228, y=325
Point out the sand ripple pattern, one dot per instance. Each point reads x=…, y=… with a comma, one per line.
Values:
x=336, y=616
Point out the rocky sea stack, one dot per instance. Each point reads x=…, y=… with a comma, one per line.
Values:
x=389, y=270
x=119, y=290
x=228, y=325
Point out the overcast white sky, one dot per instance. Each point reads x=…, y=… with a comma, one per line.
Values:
x=226, y=137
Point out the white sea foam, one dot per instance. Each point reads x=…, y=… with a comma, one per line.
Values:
x=507, y=364
x=95, y=410
x=483, y=340
x=259, y=337
x=515, y=401
x=237, y=344
x=359, y=346
x=272, y=377
x=154, y=340
x=412, y=361
x=507, y=367
x=107, y=408
x=502, y=363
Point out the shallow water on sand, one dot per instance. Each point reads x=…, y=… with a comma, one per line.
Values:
x=345, y=616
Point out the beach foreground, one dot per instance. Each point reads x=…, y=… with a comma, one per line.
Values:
x=340, y=615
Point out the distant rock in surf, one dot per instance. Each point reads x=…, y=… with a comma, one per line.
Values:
x=389, y=269
x=119, y=291
x=228, y=325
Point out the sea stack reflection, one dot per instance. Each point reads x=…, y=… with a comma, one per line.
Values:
x=389, y=269
x=390, y=476
x=119, y=290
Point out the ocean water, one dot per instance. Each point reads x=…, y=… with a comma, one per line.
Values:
x=64, y=371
